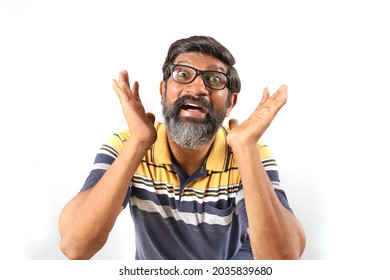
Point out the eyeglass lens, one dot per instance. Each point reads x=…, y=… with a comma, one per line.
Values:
x=186, y=74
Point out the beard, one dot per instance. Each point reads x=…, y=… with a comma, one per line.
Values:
x=192, y=133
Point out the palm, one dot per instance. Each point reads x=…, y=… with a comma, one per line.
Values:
x=253, y=128
x=140, y=123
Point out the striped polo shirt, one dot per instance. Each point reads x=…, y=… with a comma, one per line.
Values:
x=176, y=216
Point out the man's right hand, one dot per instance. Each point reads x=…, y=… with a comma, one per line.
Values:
x=139, y=122
x=84, y=235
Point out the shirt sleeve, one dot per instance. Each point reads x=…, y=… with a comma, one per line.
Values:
x=271, y=168
x=106, y=155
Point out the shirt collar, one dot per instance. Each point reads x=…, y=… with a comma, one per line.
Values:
x=217, y=160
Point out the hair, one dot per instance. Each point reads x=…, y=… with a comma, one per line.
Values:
x=205, y=45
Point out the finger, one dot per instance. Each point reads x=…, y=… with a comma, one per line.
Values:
x=233, y=123
x=115, y=84
x=265, y=96
x=280, y=95
x=282, y=90
x=151, y=117
x=135, y=89
x=118, y=89
x=124, y=81
x=124, y=75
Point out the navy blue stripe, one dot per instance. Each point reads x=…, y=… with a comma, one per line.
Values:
x=182, y=241
x=273, y=175
x=93, y=177
x=158, y=166
x=272, y=161
x=103, y=158
x=220, y=208
x=207, y=192
x=158, y=199
x=225, y=171
x=283, y=199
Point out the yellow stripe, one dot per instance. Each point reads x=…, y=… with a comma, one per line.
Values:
x=156, y=165
x=118, y=142
x=264, y=151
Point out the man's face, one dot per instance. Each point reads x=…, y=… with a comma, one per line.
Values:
x=193, y=112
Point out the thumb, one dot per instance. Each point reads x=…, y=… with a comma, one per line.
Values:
x=151, y=117
x=233, y=123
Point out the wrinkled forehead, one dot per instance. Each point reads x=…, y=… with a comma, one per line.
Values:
x=201, y=61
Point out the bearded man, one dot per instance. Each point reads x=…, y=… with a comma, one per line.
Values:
x=196, y=189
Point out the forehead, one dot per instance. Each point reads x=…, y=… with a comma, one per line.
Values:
x=201, y=61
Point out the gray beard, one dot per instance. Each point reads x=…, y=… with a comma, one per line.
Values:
x=192, y=133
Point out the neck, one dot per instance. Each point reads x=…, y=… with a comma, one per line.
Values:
x=189, y=160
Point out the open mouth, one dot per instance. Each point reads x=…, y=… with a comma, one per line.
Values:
x=192, y=106
x=194, y=110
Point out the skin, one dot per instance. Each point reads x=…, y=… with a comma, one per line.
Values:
x=275, y=233
x=190, y=160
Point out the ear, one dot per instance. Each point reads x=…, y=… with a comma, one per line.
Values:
x=162, y=90
x=232, y=103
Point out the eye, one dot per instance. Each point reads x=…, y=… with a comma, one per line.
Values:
x=215, y=78
x=182, y=74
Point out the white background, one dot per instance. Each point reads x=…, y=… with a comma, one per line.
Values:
x=57, y=107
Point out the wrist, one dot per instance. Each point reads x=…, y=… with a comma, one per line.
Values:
x=238, y=143
x=142, y=142
x=143, y=136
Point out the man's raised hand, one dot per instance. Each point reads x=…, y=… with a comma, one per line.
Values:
x=250, y=131
x=140, y=123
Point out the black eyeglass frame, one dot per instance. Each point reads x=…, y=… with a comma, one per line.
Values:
x=202, y=73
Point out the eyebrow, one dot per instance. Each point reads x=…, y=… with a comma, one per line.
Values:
x=210, y=67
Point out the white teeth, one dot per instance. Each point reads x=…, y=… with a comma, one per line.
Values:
x=193, y=105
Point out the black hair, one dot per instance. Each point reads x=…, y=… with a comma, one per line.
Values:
x=205, y=45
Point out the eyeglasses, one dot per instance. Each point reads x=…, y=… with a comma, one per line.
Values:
x=184, y=74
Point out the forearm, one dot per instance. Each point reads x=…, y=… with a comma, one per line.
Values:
x=274, y=232
x=87, y=220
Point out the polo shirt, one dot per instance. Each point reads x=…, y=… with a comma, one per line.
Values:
x=176, y=216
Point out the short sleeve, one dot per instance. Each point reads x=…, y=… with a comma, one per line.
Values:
x=271, y=167
x=106, y=155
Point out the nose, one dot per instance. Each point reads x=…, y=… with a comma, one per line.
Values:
x=197, y=87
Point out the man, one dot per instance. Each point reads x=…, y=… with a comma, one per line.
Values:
x=196, y=189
